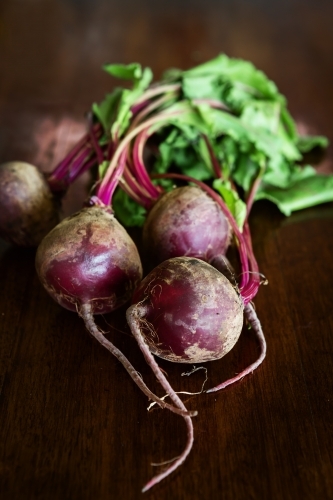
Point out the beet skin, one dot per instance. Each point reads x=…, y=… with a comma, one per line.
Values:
x=89, y=258
x=28, y=210
x=185, y=221
x=192, y=313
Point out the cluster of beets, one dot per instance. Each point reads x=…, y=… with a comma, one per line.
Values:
x=187, y=309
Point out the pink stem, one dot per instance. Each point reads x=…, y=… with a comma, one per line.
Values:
x=75, y=173
x=214, y=160
x=157, y=90
x=62, y=168
x=135, y=190
x=134, y=317
x=99, y=152
x=106, y=191
x=253, y=320
x=212, y=103
x=252, y=193
x=147, y=109
x=139, y=166
x=86, y=314
x=157, y=120
x=255, y=275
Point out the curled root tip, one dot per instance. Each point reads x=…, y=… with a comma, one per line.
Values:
x=148, y=485
x=210, y=390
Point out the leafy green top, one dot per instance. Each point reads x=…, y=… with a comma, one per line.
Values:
x=223, y=112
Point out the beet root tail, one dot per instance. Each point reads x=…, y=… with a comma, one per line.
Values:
x=253, y=320
x=134, y=317
x=86, y=314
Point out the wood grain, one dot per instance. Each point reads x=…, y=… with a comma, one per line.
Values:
x=72, y=424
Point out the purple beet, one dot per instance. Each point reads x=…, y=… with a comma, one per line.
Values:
x=194, y=221
x=28, y=210
x=185, y=311
x=190, y=311
x=89, y=259
x=185, y=221
x=89, y=264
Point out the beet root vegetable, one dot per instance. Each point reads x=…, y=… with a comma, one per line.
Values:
x=134, y=316
x=28, y=210
x=185, y=221
x=159, y=228
x=185, y=311
x=191, y=312
x=89, y=264
x=89, y=258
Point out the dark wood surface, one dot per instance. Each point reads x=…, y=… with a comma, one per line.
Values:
x=72, y=424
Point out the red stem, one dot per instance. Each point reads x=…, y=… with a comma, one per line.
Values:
x=253, y=320
x=214, y=160
x=139, y=166
x=60, y=172
x=252, y=193
x=86, y=314
x=98, y=150
x=134, y=316
x=130, y=185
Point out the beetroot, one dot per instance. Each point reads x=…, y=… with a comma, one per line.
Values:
x=191, y=312
x=184, y=311
x=250, y=280
x=185, y=221
x=28, y=210
x=89, y=264
x=30, y=200
x=89, y=258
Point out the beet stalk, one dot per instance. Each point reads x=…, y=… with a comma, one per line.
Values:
x=30, y=200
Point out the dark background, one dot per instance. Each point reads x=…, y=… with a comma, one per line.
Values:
x=72, y=424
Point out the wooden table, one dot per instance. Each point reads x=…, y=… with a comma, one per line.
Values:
x=72, y=423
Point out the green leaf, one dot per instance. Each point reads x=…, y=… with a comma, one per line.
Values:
x=102, y=168
x=240, y=73
x=219, y=122
x=203, y=153
x=245, y=170
x=107, y=109
x=131, y=71
x=141, y=78
x=120, y=120
x=278, y=172
x=254, y=136
x=236, y=206
x=172, y=74
x=265, y=116
x=127, y=211
x=306, y=143
x=124, y=113
x=177, y=152
x=308, y=190
x=288, y=124
x=202, y=87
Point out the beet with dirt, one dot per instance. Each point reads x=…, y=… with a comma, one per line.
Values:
x=28, y=209
x=191, y=313
x=185, y=221
x=89, y=258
